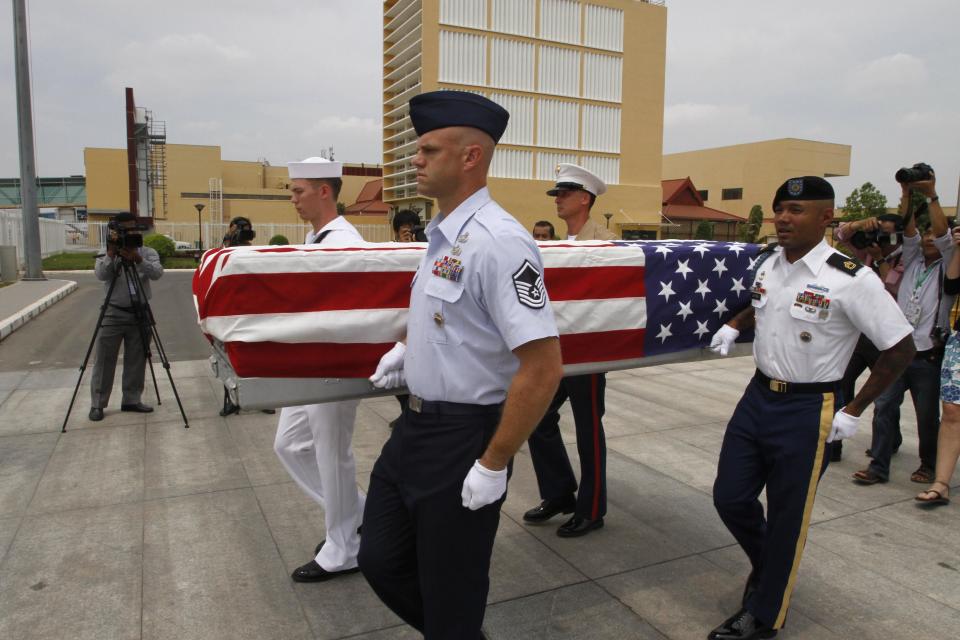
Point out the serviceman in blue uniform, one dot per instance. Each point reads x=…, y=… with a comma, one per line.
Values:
x=575, y=192
x=481, y=361
x=809, y=306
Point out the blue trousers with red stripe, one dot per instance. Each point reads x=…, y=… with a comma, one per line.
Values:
x=777, y=440
x=551, y=463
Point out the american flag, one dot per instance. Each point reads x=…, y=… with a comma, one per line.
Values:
x=316, y=312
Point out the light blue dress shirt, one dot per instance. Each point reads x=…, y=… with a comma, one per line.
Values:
x=477, y=295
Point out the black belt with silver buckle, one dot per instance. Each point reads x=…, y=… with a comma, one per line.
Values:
x=781, y=386
x=438, y=407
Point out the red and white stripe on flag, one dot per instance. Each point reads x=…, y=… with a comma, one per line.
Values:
x=316, y=312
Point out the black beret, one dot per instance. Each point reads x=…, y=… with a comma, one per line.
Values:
x=440, y=109
x=805, y=188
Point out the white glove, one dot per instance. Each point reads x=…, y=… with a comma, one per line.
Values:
x=483, y=486
x=723, y=339
x=844, y=426
x=389, y=373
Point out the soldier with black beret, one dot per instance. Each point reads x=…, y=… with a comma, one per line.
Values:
x=809, y=305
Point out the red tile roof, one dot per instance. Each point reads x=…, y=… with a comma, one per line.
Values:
x=370, y=201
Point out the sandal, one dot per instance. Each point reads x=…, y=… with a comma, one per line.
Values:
x=868, y=476
x=923, y=475
x=937, y=499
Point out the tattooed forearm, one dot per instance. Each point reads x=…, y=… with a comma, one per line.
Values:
x=888, y=368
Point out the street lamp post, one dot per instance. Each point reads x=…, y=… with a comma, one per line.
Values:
x=199, y=207
x=608, y=216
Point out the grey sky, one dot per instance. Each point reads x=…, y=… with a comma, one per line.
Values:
x=282, y=81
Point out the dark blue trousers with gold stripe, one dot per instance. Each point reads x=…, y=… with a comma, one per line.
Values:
x=777, y=440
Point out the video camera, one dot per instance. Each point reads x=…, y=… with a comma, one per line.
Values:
x=418, y=233
x=123, y=235
x=916, y=173
x=242, y=233
x=864, y=239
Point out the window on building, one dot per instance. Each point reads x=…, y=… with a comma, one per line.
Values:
x=731, y=194
x=703, y=194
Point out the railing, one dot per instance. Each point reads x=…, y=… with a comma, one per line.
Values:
x=79, y=236
x=52, y=237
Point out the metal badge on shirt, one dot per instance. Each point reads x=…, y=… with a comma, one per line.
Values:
x=529, y=285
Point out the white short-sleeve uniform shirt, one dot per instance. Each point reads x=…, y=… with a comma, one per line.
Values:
x=809, y=315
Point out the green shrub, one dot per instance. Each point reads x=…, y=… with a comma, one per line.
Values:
x=279, y=239
x=161, y=244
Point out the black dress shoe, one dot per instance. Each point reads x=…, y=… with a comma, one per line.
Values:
x=137, y=408
x=577, y=526
x=741, y=626
x=549, y=508
x=96, y=414
x=312, y=572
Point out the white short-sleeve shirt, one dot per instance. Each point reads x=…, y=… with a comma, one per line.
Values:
x=478, y=294
x=809, y=315
x=341, y=234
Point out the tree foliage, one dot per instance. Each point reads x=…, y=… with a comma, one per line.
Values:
x=864, y=202
x=750, y=230
x=704, y=230
x=279, y=239
x=161, y=244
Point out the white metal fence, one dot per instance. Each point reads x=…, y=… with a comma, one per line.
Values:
x=52, y=237
x=92, y=235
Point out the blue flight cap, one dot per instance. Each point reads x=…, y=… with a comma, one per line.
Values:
x=440, y=109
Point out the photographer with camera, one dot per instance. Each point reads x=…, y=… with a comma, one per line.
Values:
x=878, y=243
x=123, y=317
x=240, y=233
x=407, y=227
x=927, y=307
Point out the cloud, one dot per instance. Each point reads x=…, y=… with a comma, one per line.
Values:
x=900, y=74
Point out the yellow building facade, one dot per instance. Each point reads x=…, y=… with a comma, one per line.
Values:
x=583, y=82
x=735, y=178
x=197, y=174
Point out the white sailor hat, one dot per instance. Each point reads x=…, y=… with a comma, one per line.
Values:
x=315, y=167
x=571, y=176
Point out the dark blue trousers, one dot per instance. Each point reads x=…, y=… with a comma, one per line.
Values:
x=424, y=554
x=551, y=463
x=776, y=440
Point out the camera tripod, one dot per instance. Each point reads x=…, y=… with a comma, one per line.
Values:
x=147, y=328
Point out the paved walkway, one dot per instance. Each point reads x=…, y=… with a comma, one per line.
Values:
x=22, y=301
x=137, y=528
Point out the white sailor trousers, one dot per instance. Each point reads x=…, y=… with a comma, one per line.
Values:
x=314, y=444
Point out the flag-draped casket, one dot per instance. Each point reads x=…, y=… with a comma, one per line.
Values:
x=313, y=312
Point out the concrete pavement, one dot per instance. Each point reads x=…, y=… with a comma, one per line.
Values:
x=23, y=301
x=137, y=528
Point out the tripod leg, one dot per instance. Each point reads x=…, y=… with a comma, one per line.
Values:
x=148, y=327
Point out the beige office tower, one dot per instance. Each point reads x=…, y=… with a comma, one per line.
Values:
x=582, y=80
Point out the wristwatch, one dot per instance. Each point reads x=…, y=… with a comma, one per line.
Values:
x=933, y=199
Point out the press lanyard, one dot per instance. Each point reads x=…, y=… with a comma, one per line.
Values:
x=921, y=278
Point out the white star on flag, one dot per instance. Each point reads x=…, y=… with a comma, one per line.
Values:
x=703, y=289
x=721, y=308
x=664, y=332
x=721, y=266
x=753, y=261
x=685, y=309
x=737, y=286
x=666, y=290
x=701, y=329
x=701, y=249
x=663, y=249
x=683, y=268
x=736, y=248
